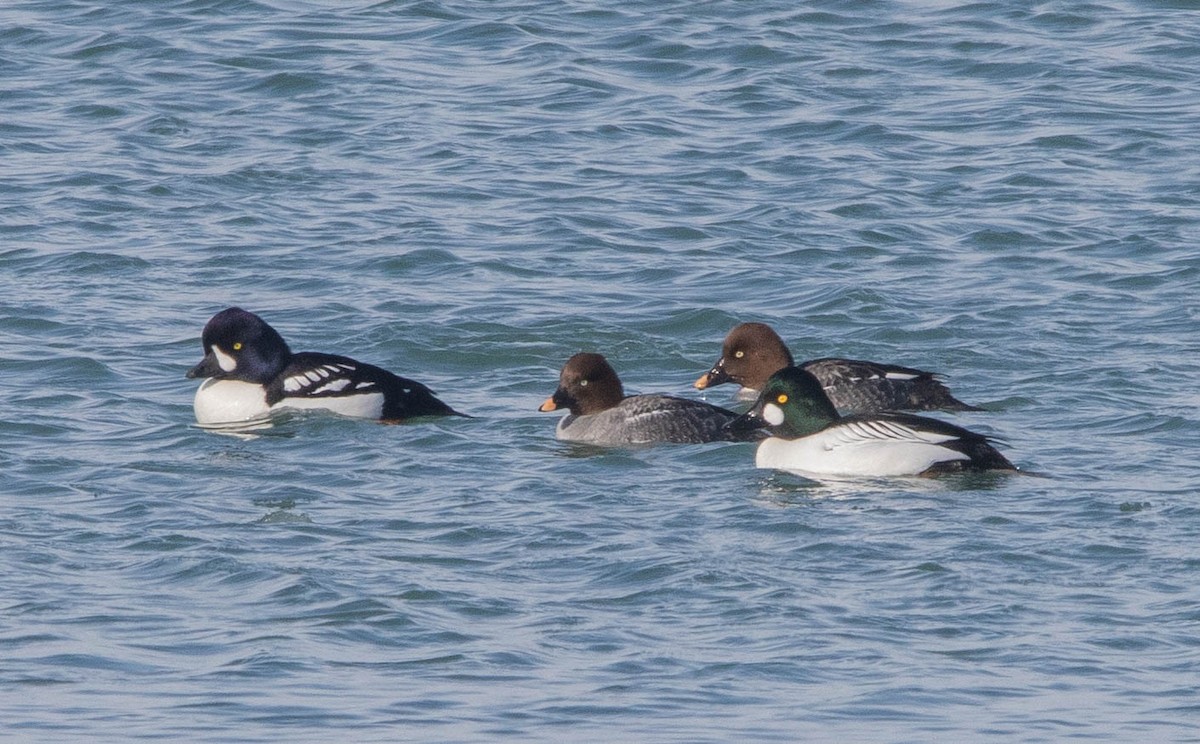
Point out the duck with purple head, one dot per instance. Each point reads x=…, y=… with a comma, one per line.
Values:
x=249, y=372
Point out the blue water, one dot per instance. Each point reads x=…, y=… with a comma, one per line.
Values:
x=469, y=193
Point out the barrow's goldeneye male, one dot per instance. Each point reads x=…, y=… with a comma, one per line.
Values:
x=600, y=412
x=252, y=372
x=808, y=436
x=752, y=352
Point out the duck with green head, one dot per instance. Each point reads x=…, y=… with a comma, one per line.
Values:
x=808, y=436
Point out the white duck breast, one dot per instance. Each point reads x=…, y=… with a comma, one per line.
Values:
x=873, y=447
x=229, y=401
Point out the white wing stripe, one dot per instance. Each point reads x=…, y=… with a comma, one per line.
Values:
x=333, y=386
x=335, y=377
x=863, y=431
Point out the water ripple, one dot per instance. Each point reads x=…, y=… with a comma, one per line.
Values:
x=470, y=194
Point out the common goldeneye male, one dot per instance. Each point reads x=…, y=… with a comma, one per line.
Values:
x=752, y=352
x=808, y=436
x=600, y=412
x=252, y=372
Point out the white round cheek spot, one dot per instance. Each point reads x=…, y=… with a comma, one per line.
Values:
x=226, y=362
x=772, y=414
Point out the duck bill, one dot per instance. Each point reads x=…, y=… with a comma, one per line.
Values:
x=714, y=376
x=208, y=367
x=561, y=399
x=749, y=421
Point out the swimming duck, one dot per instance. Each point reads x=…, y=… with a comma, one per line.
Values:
x=251, y=372
x=601, y=413
x=752, y=352
x=807, y=435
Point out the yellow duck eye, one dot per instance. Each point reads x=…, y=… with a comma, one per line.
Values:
x=783, y=398
x=237, y=345
x=739, y=354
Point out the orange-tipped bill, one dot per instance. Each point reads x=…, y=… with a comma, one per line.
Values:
x=715, y=376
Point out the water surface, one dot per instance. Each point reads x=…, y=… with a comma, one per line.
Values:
x=1005, y=193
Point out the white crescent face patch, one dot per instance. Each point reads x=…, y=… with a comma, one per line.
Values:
x=772, y=414
x=225, y=361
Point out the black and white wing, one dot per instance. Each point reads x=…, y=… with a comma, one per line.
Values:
x=857, y=386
